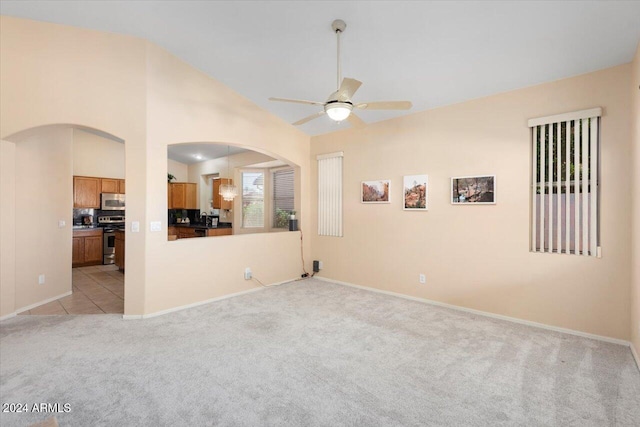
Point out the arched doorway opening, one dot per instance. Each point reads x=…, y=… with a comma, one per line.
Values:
x=54, y=228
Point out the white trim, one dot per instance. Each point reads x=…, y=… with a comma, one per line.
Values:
x=8, y=316
x=486, y=314
x=330, y=155
x=38, y=304
x=199, y=303
x=565, y=117
x=634, y=353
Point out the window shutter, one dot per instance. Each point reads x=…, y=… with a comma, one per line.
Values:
x=330, y=194
x=564, y=178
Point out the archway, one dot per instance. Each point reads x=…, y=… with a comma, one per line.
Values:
x=38, y=219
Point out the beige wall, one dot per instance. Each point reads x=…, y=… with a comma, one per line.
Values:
x=7, y=228
x=149, y=99
x=478, y=256
x=44, y=196
x=94, y=155
x=635, y=179
x=179, y=170
x=186, y=105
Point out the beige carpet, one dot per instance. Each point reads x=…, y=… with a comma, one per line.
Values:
x=312, y=353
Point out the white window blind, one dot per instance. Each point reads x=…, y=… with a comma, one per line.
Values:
x=565, y=183
x=283, y=197
x=330, y=194
x=252, y=199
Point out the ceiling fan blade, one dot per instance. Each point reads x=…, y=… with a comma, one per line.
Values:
x=297, y=101
x=347, y=88
x=356, y=121
x=309, y=118
x=384, y=105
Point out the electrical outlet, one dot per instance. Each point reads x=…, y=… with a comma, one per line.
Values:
x=61, y=223
x=422, y=278
x=320, y=265
x=41, y=279
x=135, y=226
x=155, y=226
x=247, y=274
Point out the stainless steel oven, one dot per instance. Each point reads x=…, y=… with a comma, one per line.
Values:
x=112, y=202
x=109, y=225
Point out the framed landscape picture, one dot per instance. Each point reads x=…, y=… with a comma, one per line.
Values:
x=415, y=192
x=473, y=190
x=375, y=191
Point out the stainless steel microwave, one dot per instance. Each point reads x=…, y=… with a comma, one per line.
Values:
x=112, y=202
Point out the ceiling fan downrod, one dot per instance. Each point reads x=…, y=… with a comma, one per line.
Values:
x=338, y=27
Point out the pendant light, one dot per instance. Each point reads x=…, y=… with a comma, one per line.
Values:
x=228, y=191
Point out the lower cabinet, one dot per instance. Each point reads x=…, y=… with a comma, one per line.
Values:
x=86, y=248
x=177, y=232
x=219, y=232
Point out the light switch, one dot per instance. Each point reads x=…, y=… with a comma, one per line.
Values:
x=156, y=226
x=135, y=226
x=62, y=223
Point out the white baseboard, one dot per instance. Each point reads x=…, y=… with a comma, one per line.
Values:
x=635, y=355
x=8, y=316
x=196, y=304
x=38, y=304
x=486, y=314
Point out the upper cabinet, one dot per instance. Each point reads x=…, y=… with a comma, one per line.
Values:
x=183, y=195
x=109, y=185
x=87, y=189
x=112, y=185
x=86, y=192
x=218, y=201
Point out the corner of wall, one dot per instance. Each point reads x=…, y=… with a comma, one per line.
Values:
x=635, y=179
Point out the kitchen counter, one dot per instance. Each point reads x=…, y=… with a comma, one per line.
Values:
x=196, y=225
x=84, y=227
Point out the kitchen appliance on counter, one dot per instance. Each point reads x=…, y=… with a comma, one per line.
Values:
x=112, y=202
x=110, y=224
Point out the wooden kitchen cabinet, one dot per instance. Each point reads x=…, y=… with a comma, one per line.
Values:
x=183, y=195
x=86, y=192
x=86, y=247
x=219, y=232
x=119, y=248
x=109, y=185
x=218, y=201
x=112, y=185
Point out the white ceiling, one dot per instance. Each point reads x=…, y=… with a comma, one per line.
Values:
x=431, y=53
x=194, y=153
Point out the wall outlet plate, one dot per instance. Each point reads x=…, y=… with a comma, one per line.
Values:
x=41, y=279
x=135, y=226
x=247, y=274
x=422, y=278
x=156, y=226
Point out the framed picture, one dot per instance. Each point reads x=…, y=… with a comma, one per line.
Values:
x=473, y=190
x=375, y=191
x=415, y=192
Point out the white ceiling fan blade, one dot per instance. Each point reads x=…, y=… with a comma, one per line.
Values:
x=347, y=88
x=297, y=101
x=384, y=105
x=356, y=121
x=309, y=118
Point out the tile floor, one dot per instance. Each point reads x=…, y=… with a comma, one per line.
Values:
x=97, y=289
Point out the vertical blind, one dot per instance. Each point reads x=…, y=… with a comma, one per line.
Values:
x=283, y=197
x=564, y=183
x=330, y=194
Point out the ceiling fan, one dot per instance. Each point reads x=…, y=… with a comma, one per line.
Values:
x=339, y=105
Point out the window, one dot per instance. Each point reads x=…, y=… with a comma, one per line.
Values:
x=283, y=197
x=564, y=180
x=252, y=199
x=330, y=194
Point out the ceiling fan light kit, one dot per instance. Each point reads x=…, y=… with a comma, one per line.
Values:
x=339, y=106
x=338, y=111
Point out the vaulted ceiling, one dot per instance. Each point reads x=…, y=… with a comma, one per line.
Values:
x=431, y=53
